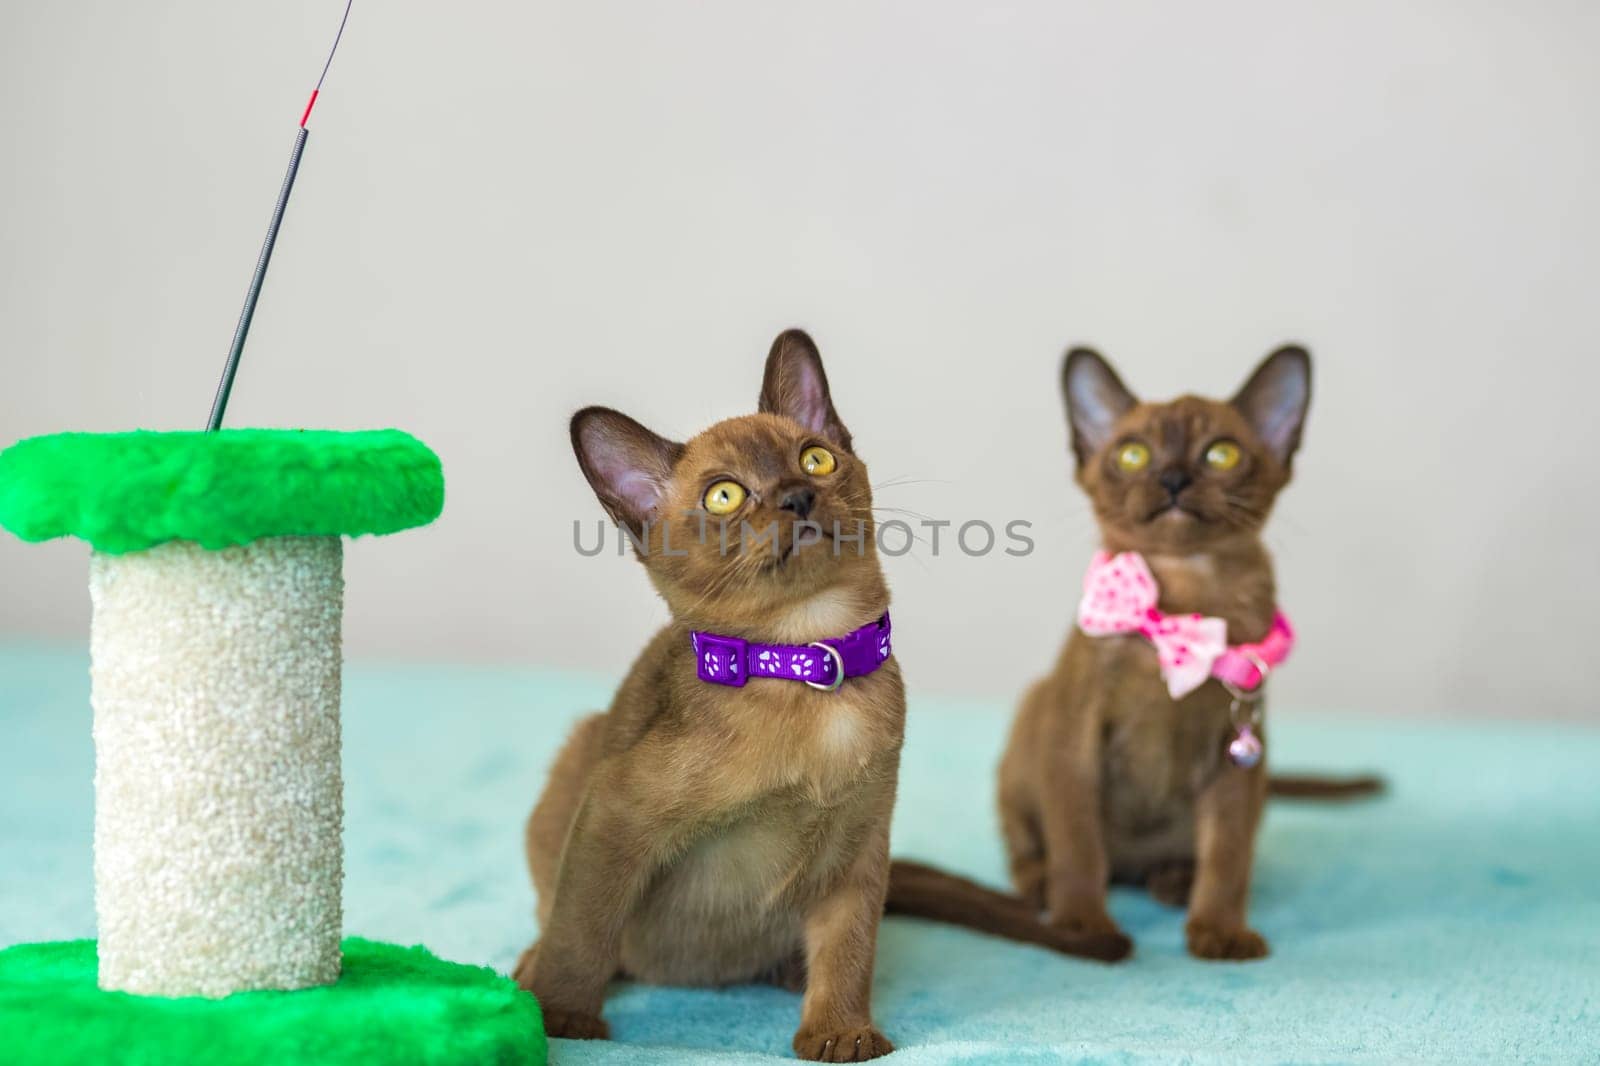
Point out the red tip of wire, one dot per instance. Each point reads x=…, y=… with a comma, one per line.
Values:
x=309, y=105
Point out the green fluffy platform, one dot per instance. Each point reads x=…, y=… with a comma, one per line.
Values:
x=124, y=492
x=393, y=1005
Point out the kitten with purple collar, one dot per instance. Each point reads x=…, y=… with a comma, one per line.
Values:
x=727, y=820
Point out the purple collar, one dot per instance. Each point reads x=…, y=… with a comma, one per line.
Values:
x=824, y=665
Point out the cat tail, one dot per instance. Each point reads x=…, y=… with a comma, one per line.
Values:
x=923, y=892
x=1315, y=787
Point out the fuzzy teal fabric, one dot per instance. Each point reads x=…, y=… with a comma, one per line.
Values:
x=393, y=1005
x=1455, y=920
x=124, y=492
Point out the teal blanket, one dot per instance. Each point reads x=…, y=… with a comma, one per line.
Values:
x=1455, y=920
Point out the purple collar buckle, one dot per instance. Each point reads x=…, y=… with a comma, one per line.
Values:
x=823, y=665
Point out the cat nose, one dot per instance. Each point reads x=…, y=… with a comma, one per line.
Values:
x=798, y=502
x=1175, y=480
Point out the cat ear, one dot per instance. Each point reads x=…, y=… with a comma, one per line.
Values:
x=1096, y=398
x=628, y=466
x=1275, y=400
x=795, y=386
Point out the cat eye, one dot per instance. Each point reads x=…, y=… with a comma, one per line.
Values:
x=1223, y=455
x=817, y=461
x=724, y=497
x=1133, y=456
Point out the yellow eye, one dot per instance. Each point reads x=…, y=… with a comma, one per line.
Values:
x=818, y=461
x=1223, y=455
x=724, y=497
x=1133, y=456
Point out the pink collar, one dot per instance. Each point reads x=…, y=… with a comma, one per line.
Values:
x=1120, y=595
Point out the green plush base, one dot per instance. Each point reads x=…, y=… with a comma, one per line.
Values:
x=393, y=1005
x=124, y=492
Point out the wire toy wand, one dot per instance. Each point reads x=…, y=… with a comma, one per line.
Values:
x=219, y=405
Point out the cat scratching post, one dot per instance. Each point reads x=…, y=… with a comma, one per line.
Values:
x=218, y=863
x=218, y=592
x=217, y=584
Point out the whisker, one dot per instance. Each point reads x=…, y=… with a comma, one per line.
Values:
x=896, y=483
x=904, y=510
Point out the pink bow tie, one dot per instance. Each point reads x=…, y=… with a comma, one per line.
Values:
x=1120, y=595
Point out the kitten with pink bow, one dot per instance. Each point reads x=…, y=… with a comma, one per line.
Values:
x=1141, y=757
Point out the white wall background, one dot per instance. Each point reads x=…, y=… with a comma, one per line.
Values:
x=508, y=210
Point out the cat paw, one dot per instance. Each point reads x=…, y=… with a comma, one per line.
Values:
x=1094, y=934
x=1230, y=943
x=575, y=1025
x=1093, y=938
x=844, y=1045
x=571, y=1024
x=1112, y=946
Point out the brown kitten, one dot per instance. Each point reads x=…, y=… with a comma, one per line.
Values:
x=702, y=834
x=1105, y=776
